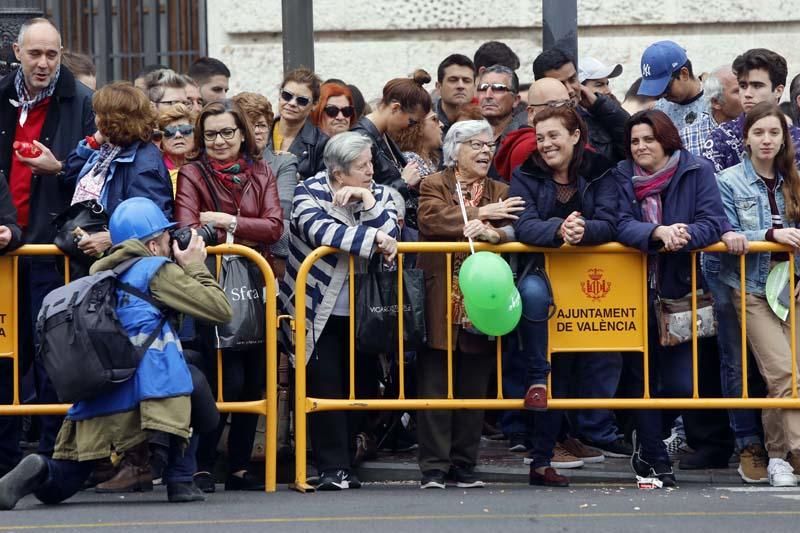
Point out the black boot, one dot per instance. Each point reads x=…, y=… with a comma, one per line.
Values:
x=25, y=478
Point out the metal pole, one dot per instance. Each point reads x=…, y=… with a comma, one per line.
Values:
x=560, y=26
x=298, y=34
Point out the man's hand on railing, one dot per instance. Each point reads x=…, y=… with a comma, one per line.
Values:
x=736, y=242
x=5, y=236
x=790, y=236
x=674, y=237
x=502, y=210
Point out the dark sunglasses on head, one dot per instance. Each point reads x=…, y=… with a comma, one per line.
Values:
x=184, y=129
x=554, y=103
x=333, y=111
x=302, y=101
x=496, y=87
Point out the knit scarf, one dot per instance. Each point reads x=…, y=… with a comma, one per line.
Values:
x=648, y=188
x=472, y=197
x=229, y=173
x=90, y=186
x=24, y=101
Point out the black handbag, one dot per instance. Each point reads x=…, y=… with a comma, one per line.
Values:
x=90, y=217
x=376, y=310
x=243, y=284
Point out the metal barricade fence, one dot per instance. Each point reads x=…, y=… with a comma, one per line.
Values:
x=628, y=316
x=9, y=348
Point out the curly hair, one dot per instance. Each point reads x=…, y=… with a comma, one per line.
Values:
x=124, y=114
x=173, y=114
x=253, y=105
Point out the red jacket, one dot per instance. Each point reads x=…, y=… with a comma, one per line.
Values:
x=256, y=204
x=516, y=147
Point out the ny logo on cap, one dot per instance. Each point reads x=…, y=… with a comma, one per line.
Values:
x=645, y=70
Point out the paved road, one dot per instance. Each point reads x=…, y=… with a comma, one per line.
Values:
x=402, y=507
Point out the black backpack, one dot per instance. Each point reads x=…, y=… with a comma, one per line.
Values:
x=83, y=346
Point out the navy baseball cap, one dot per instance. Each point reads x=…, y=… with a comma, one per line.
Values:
x=659, y=62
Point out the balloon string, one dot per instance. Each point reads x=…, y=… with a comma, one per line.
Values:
x=464, y=213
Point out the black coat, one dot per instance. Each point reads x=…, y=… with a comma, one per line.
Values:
x=69, y=119
x=8, y=217
x=606, y=121
x=308, y=146
x=387, y=158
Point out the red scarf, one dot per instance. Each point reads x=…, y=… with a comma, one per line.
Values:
x=230, y=173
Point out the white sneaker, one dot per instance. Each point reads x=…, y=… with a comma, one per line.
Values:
x=781, y=473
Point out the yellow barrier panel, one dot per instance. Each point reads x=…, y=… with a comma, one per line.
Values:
x=268, y=408
x=610, y=280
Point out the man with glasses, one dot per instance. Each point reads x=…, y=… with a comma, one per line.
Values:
x=498, y=94
x=667, y=74
x=603, y=114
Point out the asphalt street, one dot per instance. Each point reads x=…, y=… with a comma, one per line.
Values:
x=403, y=507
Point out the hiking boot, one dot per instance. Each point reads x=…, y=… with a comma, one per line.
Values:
x=753, y=462
x=338, y=480
x=563, y=459
x=465, y=478
x=182, y=492
x=616, y=448
x=550, y=478
x=103, y=471
x=432, y=479
x=585, y=453
x=25, y=478
x=780, y=473
x=134, y=474
x=536, y=398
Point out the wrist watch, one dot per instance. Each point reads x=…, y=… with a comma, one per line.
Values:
x=232, y=226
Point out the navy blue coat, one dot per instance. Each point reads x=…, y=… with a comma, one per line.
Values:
x=137, y=171
x=692, y=198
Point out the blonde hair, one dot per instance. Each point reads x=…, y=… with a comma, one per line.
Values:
x=174, y=113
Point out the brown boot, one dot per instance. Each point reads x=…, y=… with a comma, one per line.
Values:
x=134, y=473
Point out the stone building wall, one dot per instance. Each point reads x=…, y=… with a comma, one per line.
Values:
x=368, y=42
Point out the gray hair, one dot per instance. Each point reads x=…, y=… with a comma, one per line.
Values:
x=343, y=149
x=31, y=22
x=459, y=133
x=502, y=69
x=712, y=86
x=157, y=82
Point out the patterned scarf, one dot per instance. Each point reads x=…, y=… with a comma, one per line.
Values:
x=472, y=197
x=26, y=102
x=648, y=187
x=231, y=173
x=91, y=184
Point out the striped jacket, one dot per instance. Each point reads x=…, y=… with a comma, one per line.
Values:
x=317, y=222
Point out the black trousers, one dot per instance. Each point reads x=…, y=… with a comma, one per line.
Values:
x=332, y=433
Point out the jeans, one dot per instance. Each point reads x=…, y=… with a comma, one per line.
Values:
x=514, y=422
x=745, y=423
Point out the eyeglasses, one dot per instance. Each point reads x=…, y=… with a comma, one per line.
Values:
x=187, y=103
x=333, y=111
x=302, y=101
x=260, y=126
x=184, y=129
x=226, y=133
x=478, y=145
x=554, y=103
x=495, y=87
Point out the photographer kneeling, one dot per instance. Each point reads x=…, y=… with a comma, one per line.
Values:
x=155, y=404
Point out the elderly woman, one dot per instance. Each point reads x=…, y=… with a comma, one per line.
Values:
x=283, y=165
x=449, y=440
x=668, y=201
x=119, y=161
x=294, y=131
x=229, y=186
x=335, y=112
x=175, y=127
x=344, y=208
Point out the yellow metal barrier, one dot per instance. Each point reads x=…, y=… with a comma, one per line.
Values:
x=9, y=347
x=565, y=258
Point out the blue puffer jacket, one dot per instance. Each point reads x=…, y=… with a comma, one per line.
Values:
x=137, y=171
x=162, y=372
x=692, y=198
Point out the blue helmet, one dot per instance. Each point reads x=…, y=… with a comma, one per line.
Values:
x=136, y=218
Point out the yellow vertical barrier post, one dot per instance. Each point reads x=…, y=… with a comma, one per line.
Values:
x=449, y=326
x=693, y=266
x=352, y=324
x=743, y=323
x=646, y=330
x=400, y=331
x=220, y=397
x=792, y=323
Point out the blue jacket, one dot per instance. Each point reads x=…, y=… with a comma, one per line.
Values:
x=692, y=198
x=138, y=171
x=537, y=225
x=745, y=200
x=162, y=372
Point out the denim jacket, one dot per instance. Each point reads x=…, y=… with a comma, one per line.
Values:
x=744, y=197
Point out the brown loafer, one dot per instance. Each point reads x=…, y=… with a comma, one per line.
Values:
x=536, y=398
x=550, y=478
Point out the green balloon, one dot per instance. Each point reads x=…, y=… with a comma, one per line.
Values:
x=496, y=321
x=486, y=280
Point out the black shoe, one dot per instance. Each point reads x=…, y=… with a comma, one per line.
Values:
x=432, y=479
x=615, y=448
x=205, y=482
x=25, y=478
x=184, y=492
x=663, y=472
x=640, y=466
x=338, y=480
x=705, y=458
x=245, y=482
x=516, y=443
x=465, y=478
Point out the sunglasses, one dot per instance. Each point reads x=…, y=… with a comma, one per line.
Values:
x=302, y=101
x=333, y=111
x=554, y=103
x=184, y=129
x=495, y=87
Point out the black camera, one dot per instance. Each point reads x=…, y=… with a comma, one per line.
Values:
x=183, y=236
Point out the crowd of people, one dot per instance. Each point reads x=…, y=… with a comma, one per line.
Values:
x=686, y=160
